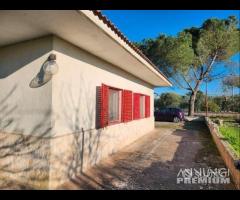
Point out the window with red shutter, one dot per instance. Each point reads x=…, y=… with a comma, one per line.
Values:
x=136, y=106
x=104, y=106
x=147, y=106
x=117, y=105
x=127, y=106
x=142, y=106
x=114, y=105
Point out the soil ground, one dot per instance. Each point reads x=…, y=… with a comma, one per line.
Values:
x=153, y=161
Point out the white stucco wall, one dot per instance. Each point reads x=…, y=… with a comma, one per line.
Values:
x=74, y=109
x=25, y=114
x=74, y=87
x=24, y=109
x=61, y=108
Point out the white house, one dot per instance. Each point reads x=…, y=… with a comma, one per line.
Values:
x=73, y=90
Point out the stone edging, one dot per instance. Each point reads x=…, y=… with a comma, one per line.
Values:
x=224, y=149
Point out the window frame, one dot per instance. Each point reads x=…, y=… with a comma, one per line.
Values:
x=119, y=106
x=142, y=115
x=144, y=106
x=105, y=111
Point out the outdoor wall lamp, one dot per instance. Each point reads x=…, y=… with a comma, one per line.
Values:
x=51, y=66
x=48, y=69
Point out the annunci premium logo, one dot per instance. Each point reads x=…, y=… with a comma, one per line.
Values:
x=203, y=176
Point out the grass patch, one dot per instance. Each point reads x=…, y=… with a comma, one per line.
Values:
x=231, y=133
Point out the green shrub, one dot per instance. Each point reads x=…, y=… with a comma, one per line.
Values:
x=231, y=133
x=213, y=107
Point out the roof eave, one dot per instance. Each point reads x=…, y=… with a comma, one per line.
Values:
x=115, y=33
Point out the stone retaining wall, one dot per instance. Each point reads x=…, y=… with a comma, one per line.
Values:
x=224, y=149
x=218, y=114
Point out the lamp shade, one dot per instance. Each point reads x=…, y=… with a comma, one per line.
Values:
x=50, y=67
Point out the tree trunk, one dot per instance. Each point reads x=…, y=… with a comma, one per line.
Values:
x=192, y=103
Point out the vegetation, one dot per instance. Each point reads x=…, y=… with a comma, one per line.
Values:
x=199, y=102
x=215, y=103
x=191, y=57
x=231, y=132
x=168, y=100
x=232, y=81
x=213, y=107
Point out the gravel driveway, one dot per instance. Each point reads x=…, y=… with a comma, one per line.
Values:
x=153, y=161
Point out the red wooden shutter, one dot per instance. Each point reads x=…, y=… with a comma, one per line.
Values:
x=136, y=106
x=127, y=106
x=147, y=106
x=104, y=106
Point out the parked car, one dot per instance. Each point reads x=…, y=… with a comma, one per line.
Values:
x=169, y=114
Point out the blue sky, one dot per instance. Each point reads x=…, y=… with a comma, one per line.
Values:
x=140, y=24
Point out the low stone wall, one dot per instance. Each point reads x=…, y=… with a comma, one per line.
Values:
x=228, y=156
x=218, y=114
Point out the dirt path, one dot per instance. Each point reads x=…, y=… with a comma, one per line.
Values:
x=154, y=161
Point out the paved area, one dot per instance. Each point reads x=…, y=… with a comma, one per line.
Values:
x=153, y=161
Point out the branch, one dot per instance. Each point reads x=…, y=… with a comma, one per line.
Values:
x=201, y=73
x=179, y=84
x=218, y=76
x=190, y=87
x=198, y=84
x=210, y=66
x=201, y=60
x=195, y=74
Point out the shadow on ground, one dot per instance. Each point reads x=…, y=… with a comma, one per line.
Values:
x=154, y=161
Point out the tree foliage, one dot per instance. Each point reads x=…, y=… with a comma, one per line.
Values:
x=192, y=55
x=215, y=103
x=168, y=100
x=213, y=107
x=232, y=81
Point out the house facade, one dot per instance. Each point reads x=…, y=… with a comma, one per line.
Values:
x=74, y=90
